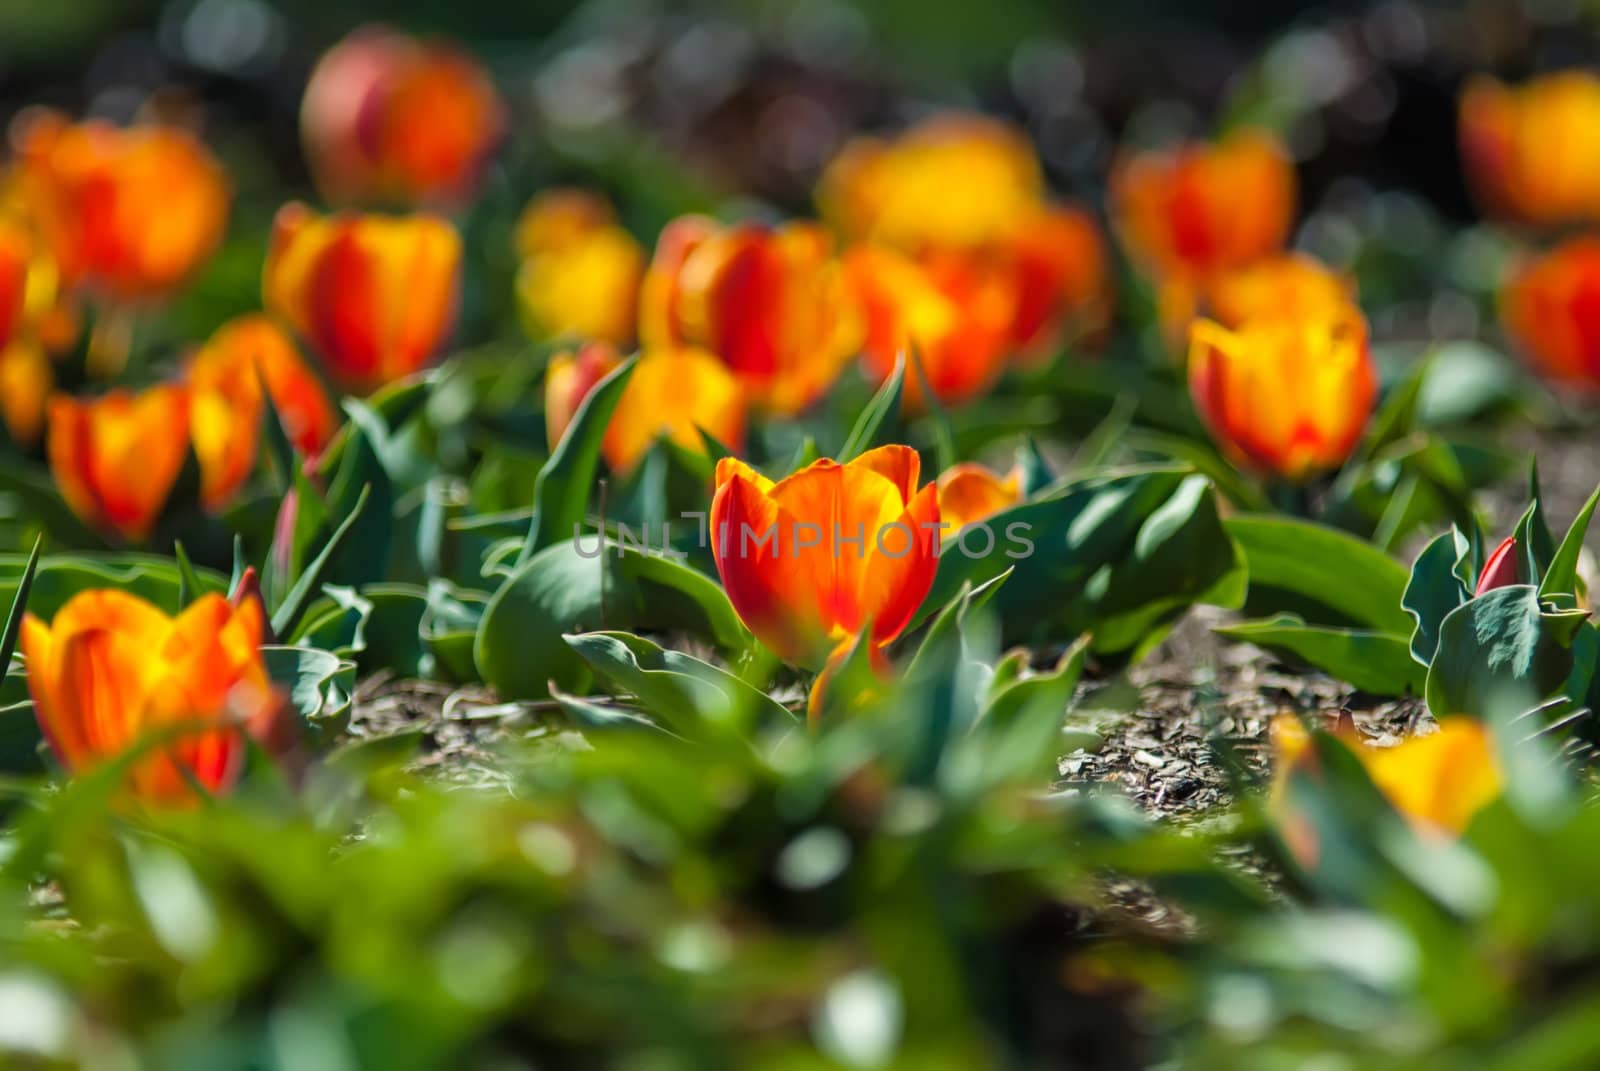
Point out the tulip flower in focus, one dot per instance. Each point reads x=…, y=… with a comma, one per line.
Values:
x=580, y=270
x=1437, y=782
x=955, y=310
x=969, y=493
x=390, y=118
x=670, y=393
x=1530, y=151
x=1501, y=570
x=129, y=213
x=111, y=669
x=771, y=302
x=1551, y=309
x=225, y=405
x=811, y=561
x=374, y=296
x=1285, y=395
x=952, y=180
x=1192, y=211
x=116, y=458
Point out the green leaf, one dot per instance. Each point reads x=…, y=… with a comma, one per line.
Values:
x=1435, y=590
x=561, y=493
x=567, y=588
x=1118, y=554
x=1535, y=543
x=1501, y=649
x=944, y=435
x=188, y=582
x=19, y=607
x=320, y=687
x=1562, y=576
x=1397, y=417
x=1328, y=576
x=881, y=416
x=692, y=698
x=1374, y=662
x=287, y=615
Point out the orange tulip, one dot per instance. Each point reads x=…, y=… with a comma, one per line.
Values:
x=969, y=493
x=1530, y=151
x=1198, y=209
x=1290, y=284
x=129, y=213
x=1551, y=309
x=957, y=310
x=771, y=303
x=1437, y=782
x=226, y=411
x=580, y=271
x=1064, y=288
x=952, y=180
x=116, y=458
x=834, y=550
x=112, y=669
x=27, y=301
x=1285, y=395
x=670, y=393
x=387, y=117
x=373, y=295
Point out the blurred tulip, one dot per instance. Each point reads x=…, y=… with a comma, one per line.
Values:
x=952, y=180
x=1502, y=568
x=129, y=213
x=1285, y=395
x=1064, y=292
x=116, y=458
x=112, y=669
x=670, y=393
x=771, y=303
x=1198, y=209
x=1288, y=285
x=26, y=380
x=225, y=410
x=1438, y=782
x=1530, y=152
x=957, y=311
x=1551, y=309
x=373, y=295
x=387, y=117
x=813, y=560
x=969, y=493
x=580, y=272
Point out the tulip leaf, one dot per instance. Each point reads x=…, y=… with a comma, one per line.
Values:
x=879, y=422
x=1018, y=734
x=1375, y=662
x=691, y=698
x=19, y=607
x=1500, y=650
x=188, y=582
x=1397, y=416
x=1435, y=590
x=1535, y=543
x=561, y=493
x=319, y=687
x=1119, y=554
x=1327, y=576
x=578, y=586
x=294, y=604
x=58, y=577
x=1562, y=575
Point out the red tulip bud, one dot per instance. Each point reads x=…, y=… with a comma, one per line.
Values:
x=1501, y=568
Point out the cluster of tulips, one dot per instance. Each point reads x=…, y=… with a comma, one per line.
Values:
x=941, y=245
